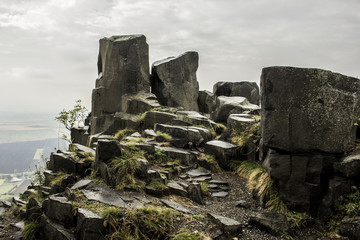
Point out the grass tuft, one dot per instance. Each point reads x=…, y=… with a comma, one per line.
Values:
x=143, y=223
x=187, y=235
x=164, y=136
x=260, y=182
x=121, y=134
x=30, y=230
x=127, y=166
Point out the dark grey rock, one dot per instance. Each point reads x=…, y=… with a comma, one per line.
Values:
x=223, y=151
x=90, y=226
x=319, y=116
x=18, y=225
x=80, y=135
x=271, y=222
x=174, y=81
x=176, y=206
x=147, y=147
x=206, y=101
x=176, y=189
x=18, y=202
x=195, y=194
x=50, y=230
x=81, y=148
x=249, y=90
x=187, y=158
x=186, y=133
x=33, y=209
x=106, y=150
x=218, y=182
x=243, y=204
x=106, y=196
x=231, y=105
x=62, y=162
x=350, y=227
x=157, y=117
x=121, y=120
x=227, y=225
x=140, y=102
x=124, y=66
x=300, y=176
x=149, y=133
x=349, y=167
x=59, y=209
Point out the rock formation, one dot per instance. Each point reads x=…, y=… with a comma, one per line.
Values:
x=161, y=152
x=308, y=121
x=174, y=81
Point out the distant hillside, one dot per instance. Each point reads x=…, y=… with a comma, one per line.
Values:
x=20, y=155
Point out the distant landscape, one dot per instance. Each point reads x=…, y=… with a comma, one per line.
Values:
x=26, y=140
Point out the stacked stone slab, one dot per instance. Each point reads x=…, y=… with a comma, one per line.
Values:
x=174, y=81
x=307, y=122
x=249, y=90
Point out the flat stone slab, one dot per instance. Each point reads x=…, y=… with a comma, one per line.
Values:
x=177, y=189
x=226, y=224
x=83, y=148
x=243, y=204
x=221, y=144
x=81, y=184
x=201, y=179
x=18, y=225
x=198, y=173
x=221, y=194
x=105, y=196
x=176, y=206
x=218, y=182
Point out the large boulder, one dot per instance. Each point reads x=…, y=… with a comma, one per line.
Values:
x=249, y=90
x=174, y=81
x=231, y=105
x=123, y=67
x=305, y=110
x=301, y=177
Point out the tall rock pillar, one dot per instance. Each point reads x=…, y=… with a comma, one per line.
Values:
x=123, y=67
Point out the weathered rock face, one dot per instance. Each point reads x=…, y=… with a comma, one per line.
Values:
x=206, y=101
x=231, y=105
x=174, y=81
x=139, y=102
x=123, y=67
x=249, y=90
x=306, y=110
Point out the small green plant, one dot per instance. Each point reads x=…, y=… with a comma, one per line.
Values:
x=141, y=117
x=159, y=156
x=298, y=220
x=250, y=133
x=164, y=136
x=121, y=134
x=187, y=235
x=72, y=118
x=209, y=160
x=198, y=217
x=58, y=179
x=127, y=166
x=157, y=184
x=260, y=182
x=30, y=230
x=204, y=188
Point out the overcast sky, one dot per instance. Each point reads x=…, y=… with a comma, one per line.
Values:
x=49, y=48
